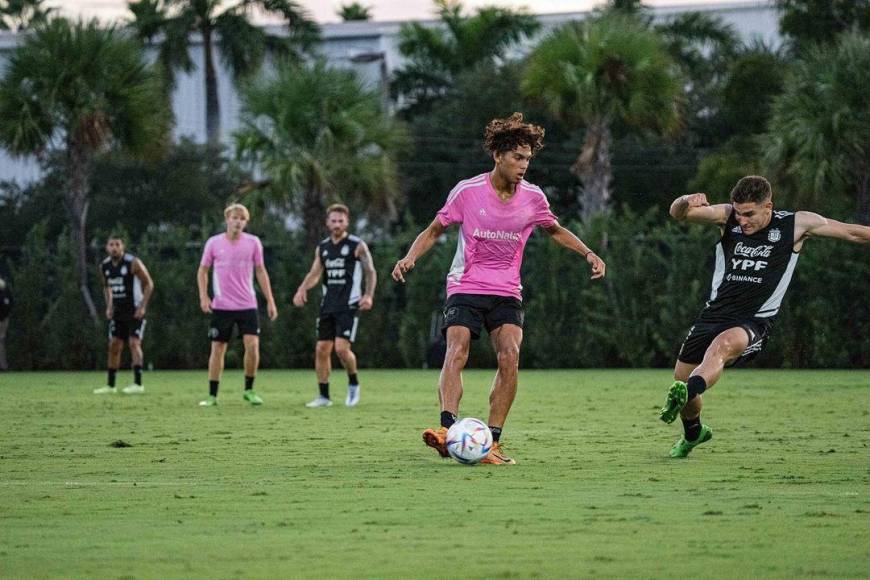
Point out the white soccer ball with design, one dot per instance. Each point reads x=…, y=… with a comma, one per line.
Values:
x=469, y=440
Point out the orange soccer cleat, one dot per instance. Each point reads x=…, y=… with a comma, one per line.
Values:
x=437, y=440
x=496, y=457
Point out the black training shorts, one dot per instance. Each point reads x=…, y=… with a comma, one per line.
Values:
x=222, y=322
x=125, y=328
x=702, y=334
x=476, y=311
x=342, y=324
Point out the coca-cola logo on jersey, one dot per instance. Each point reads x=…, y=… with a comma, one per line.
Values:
x=742, y=249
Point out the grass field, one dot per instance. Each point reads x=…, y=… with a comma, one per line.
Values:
x=283, y=491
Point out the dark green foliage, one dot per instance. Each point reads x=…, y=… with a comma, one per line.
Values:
x=820, y=128
x=657, y=280
x=809, y=22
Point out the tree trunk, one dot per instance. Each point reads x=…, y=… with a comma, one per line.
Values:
x=312, y=216
x=212, y=103
x=77, y=205
x=594, y=170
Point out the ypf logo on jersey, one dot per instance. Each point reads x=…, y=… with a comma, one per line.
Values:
x=774, y=235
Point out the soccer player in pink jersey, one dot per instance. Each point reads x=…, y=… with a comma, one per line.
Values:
x=235, y=258
x=496, y=213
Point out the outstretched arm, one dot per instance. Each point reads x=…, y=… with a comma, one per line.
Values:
x=565, y=237
x=141, y=272
x=696, y=209
x=809, y=224
x=309, y=281
x=371, y=276
x=421, y=245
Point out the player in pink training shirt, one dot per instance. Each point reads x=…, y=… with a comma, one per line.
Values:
x=496, y=212
x=234, y=257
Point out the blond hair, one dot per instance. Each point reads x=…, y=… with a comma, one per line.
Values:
x=237, y=207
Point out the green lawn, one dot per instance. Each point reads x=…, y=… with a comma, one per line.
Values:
x=280, y=490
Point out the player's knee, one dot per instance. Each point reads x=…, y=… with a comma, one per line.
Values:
x=727, y=347
x=456, y=354
x=342, y=350
x=323, y=348
x=509, y=357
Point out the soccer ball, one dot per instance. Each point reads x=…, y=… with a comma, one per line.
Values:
x=469, y=440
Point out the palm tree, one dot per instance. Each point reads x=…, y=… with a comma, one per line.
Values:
x=607, y=69
x=242, y=45
x=819, y=133
x=354, y=11
x=320, y=136
x=435, y=55
x=23, y=14
x=77, y=89
x=808, y=22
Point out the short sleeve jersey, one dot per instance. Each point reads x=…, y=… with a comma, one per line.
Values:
x=232, y=264
x=492, y=235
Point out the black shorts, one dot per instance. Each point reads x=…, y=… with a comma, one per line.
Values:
x=702, y=334
x=342, y=324
x=125, y=328
x=222, y=322
x=476, y=311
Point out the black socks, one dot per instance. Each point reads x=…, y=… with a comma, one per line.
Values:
x=137, y=374
x=496, y=433
x=447, y=419
x=324, y=390
x=213, y=388
x=249, y=383
x=692, y=428
x=352, y=379
x=696, y=385
x=111, y=379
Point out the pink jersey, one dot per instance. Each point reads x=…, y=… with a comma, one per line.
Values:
x=492, y=235
x=233, y=270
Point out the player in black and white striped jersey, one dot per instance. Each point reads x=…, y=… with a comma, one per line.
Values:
x=755, y=259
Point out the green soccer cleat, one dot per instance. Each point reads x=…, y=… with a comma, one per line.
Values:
x=253, y=398
x=209, y=402
x=677, y=397
x=682, y=448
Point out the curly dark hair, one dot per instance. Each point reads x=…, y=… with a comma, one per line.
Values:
x=507, y=134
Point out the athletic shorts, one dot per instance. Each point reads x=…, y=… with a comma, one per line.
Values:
x=477, y=311
x=702, y=334
x=125, y=328
x=342, y=324
x=222, y=322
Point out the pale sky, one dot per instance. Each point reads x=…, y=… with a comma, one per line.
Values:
x=324, y=10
